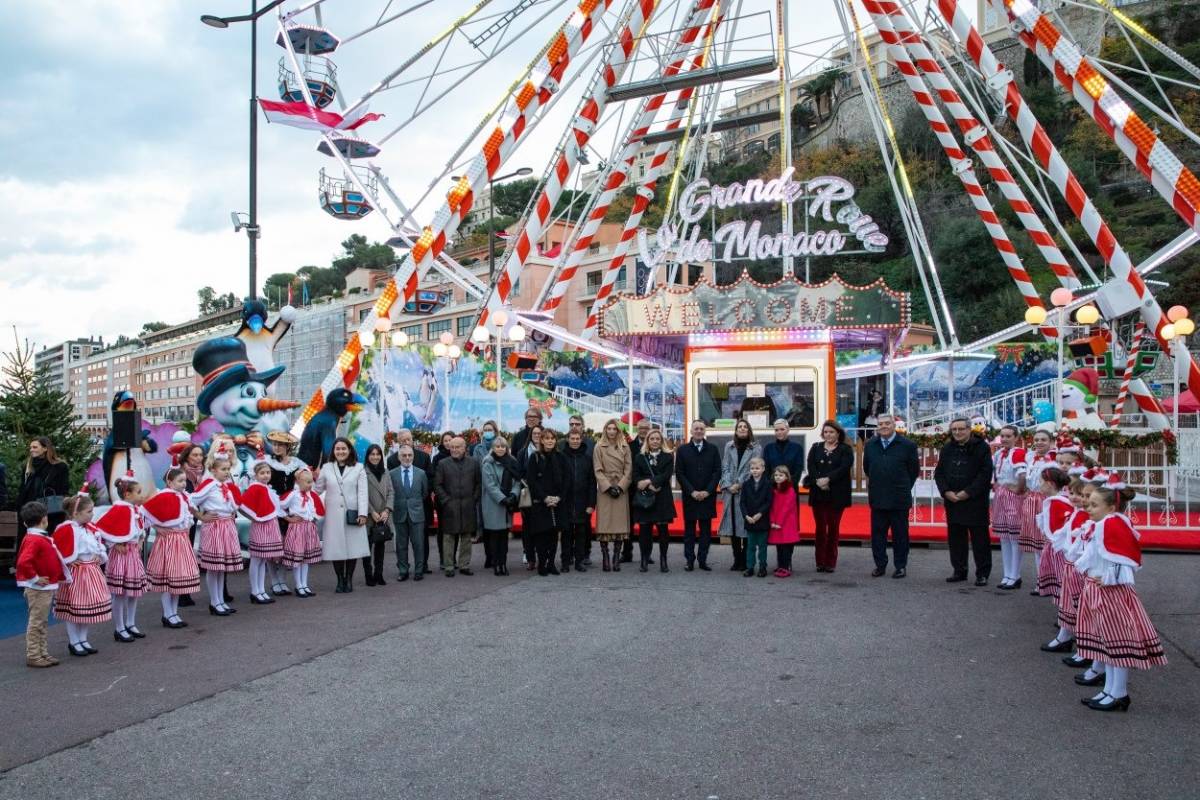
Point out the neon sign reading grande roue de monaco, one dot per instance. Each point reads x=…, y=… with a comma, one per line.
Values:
x=741, y=239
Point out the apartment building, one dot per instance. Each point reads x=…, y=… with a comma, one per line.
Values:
x=93, y=381
x=164, y=382
x=54, y=363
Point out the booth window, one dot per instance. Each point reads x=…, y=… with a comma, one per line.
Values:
x=759, y=395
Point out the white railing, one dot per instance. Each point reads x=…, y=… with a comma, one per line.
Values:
x=585, y=403
x=1015, y=407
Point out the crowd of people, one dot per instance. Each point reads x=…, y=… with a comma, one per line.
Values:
x=572, y=492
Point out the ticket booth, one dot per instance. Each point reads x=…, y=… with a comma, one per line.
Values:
x=759, y=352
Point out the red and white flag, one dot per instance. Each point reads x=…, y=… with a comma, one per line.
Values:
x=551, y=252
x=302, y=115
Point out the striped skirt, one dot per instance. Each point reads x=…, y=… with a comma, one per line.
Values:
x=1006, y=512
x=220, y=550
x=265, y=541
x=1050, y=571
x=1115, y=629
x=1068, y=595
x=124, y=572
x=302, y=545
x=171, y=567
x=1031, y=540
x=85, y=600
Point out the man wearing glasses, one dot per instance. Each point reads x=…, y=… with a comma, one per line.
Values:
x=964, y=477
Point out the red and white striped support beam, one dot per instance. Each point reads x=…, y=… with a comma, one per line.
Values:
x=976, y=137
x=566, y=159
x=633, y=142
x=1095, y=95
x=1149, y=407
x=522, y=107
x=1000, y=80
x=960, y=164
x=1135, y=347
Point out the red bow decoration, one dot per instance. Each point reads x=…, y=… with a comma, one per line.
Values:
x=252, y=439
x=546, y=406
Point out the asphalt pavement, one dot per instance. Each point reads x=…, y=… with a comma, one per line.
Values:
x=626, y=685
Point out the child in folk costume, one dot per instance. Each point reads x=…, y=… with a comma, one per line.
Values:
x=1040, y=458
x=785, y=521
x=40, y=572
x=1113, y=628
x=84, y=600
x=122, y=529
x=1068, y=453
x=284, y=465
x=260, y=505
x=1055, y=512
x=302, y=507
x=220, y=551
x=1068, y=541
x=1008, y=486
x=171, y=568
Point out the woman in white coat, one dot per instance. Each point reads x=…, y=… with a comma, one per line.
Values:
x=342, y=485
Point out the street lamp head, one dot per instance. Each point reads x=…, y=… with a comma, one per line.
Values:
x=524, y=171
x=517, y=334
x=1061, y=296
x=1087, y=315
x=1176, y=313
x=447, y=338
x=1035, y=315
x=440, y=350
x=213, y=21
x=1184, y=326
x=1167, y=332
x=399, y=339
x=454, y=351
x=480, y=334
x=500, y=318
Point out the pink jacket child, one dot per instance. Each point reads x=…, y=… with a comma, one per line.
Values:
x=785, y=527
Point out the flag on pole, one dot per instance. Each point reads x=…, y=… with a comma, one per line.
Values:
x=552, y=252
x=302, y=115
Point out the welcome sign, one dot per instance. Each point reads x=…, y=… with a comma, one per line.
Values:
x=829, y=199
x=748, y=306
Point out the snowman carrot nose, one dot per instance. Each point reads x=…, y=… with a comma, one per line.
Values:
x=266, y=404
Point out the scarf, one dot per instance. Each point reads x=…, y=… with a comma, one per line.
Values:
x=376, y=469
x=194, y=474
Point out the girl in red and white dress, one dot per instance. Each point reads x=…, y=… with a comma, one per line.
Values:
x=1008, y=488
x=122, y=529
x=1069, y=542
x=171, y=568
x=1040, y=458
x=1055, y=512
x=83, y=600
x=220, y=550
x=1113, y=629
x=260, y=505
x=303, y=509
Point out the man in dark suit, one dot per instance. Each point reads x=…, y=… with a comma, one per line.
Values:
x=458, y=485
x=891, y=466
x=423, y=462
x=964, y=480
x=410, y=487
x=698, y=470
x=783, y=452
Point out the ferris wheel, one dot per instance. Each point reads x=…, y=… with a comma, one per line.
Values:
x=638, y=89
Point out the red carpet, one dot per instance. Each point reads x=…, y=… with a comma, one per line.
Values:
x=1181, y=534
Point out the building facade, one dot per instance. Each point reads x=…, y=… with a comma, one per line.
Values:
x=53, y=364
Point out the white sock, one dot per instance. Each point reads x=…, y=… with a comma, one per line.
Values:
x=83, y=632
x=298, y=576
x=168, y=612
x=304, y=575
x=1037, y=560
x=118, y=612
x=1120, y=682
x=174, y=605
x=1006, y=558
x=279, y=580
x=216, y=589
x=131, y=612
x=1064, y=634
x=258, y=575
x=1016, y=561
x=73, y=636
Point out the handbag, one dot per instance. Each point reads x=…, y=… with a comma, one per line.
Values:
x=53, y=503
x=351, y=514
x=526, y=500
x=378, y=533
x=645, y=498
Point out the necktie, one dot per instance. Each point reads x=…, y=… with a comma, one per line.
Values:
x=407, y=478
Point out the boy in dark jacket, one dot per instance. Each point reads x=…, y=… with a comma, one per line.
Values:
x=756, y=508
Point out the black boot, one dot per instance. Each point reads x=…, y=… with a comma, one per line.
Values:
x=339, y=569
x=645, y=565
x=369, y=575
x=579, y=567
x=617, y=559
x=607, y=564
x=662, y=557
x=350, y=565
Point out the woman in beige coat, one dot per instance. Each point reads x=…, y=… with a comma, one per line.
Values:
x=613, y=463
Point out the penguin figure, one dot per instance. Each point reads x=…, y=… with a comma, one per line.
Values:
x=259, y=337
x=119, y=462
x=321, y=430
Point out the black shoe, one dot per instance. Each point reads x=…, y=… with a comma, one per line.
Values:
x=579, y=567
x=899, y=573
x=420, y=576
x=1010, y=586
x=449, y=573
x=626, y=559
x=1075, y=662
x=616, y=563
x=748, y=573
x=689, y=567
x=135, y=632
x=379, y=581
x=735, y=568
x=662, y=565
x=467, y=571
x=878, y=572
x=1061, y=647
x=981, y=581
x=644, y=566
x=219, y=612
x=496, y=570
x=551, y=569
x=427, y=571
x=261, y=599
x=186, y=600
x=705, y=567
x=370, y=579
x=166, y=623
x=1119, y=704
x=542, y=571
x=1036, y=593
x=762, y=572
x=504, y=569
x=123, y=636
x=402, y=578
x=78, y=650
x=957, y=577
x=88, y=646
x=650, y=560
x=587, y=561
x=341, y=586
x=1095, y=680
x=281, y=592
x=566, y=566
x=305, y=592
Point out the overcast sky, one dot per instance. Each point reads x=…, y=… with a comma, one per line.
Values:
x=124, y=132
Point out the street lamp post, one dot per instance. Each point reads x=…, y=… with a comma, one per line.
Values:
x=482, y=334
x=1086, y=316
x=1181, y=326
x=252, y=230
